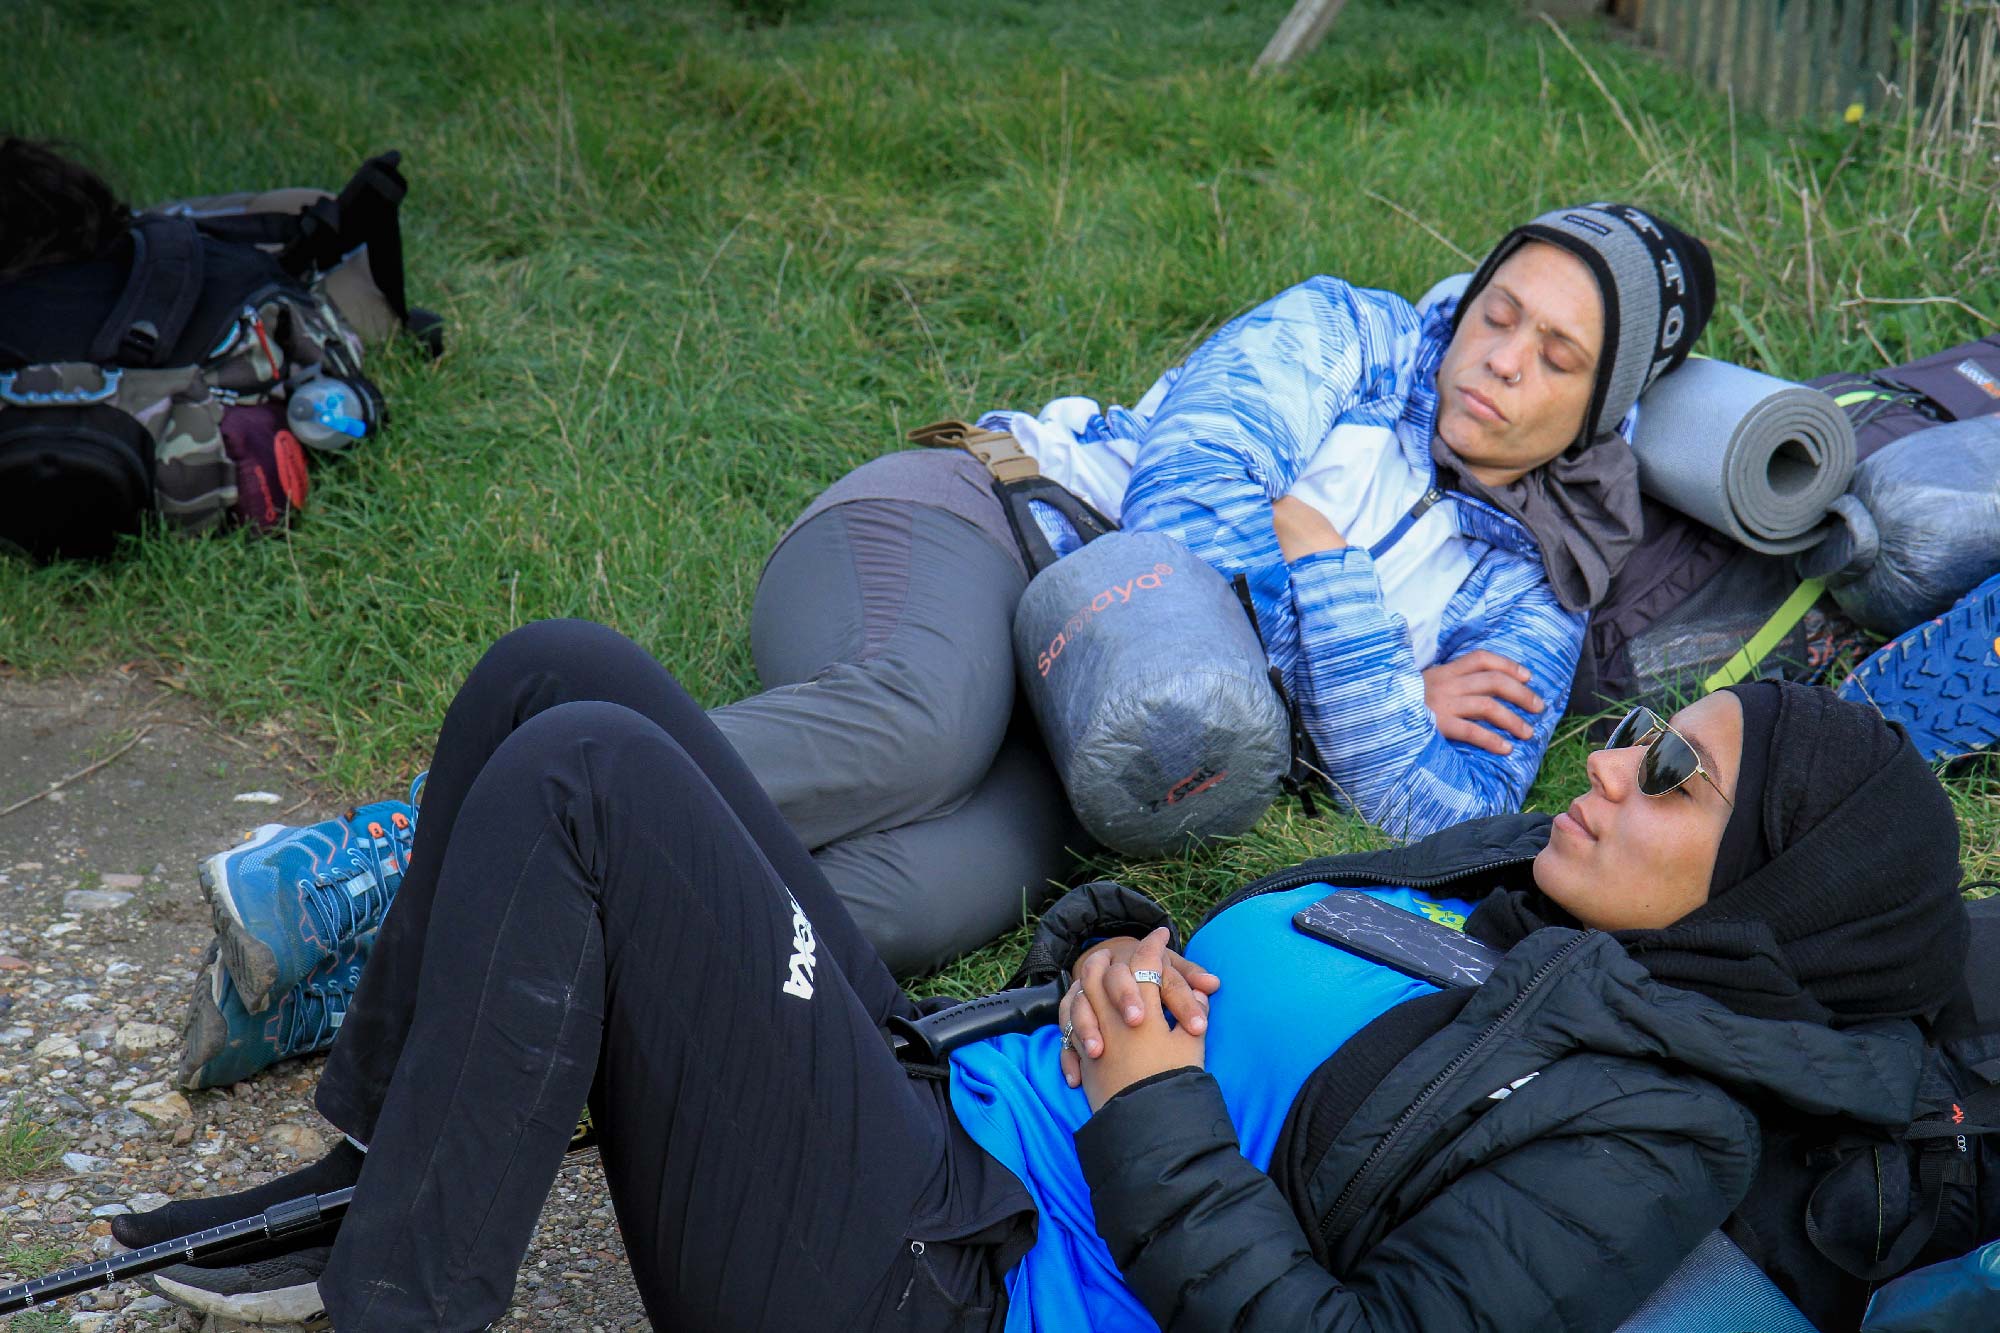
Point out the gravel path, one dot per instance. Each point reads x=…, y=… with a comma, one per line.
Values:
x=101, y=925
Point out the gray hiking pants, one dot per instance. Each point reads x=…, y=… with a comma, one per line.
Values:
x=888, y=733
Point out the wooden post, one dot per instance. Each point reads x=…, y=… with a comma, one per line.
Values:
x=1300, y=32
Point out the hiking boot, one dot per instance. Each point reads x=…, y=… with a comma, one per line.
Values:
x=1941, y=679
x=286, y=899
x=283, y=1289
x=226, y=1043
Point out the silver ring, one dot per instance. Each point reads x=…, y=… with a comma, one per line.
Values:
x=1146, y=974
x=1069, y=1036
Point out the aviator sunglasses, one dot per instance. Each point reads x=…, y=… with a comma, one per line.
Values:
x=1669, y=760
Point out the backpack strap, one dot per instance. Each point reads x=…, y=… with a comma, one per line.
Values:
x=363, y=213
x=259, y=229
x=1019, y=496
x=146, y=323
x=316, y=236
x=1019, y=485
x=1768, y=636
x=368, y=205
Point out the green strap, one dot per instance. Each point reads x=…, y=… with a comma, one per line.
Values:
x=1739, y=667
x=1861, y=396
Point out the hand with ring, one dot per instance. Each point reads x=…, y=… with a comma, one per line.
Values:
x=1133, y=979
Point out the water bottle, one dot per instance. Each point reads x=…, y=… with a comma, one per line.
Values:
x=327, y=413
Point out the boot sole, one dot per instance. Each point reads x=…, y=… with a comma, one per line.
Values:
x=207, y=1032
x=282, y=1305
x=249, y=961
x=1938, y=679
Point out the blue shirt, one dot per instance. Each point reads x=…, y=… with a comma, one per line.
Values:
x=1287, y=1002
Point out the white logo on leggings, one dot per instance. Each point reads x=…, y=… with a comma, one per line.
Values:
x=800, y=982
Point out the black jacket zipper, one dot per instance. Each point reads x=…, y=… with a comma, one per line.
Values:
x=1337, y=1218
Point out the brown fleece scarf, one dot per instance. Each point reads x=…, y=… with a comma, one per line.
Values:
x=1582, y=507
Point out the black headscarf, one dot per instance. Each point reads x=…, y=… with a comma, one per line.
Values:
x=1835, y=893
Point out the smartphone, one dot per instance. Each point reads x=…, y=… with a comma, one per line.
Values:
x=1409, y=943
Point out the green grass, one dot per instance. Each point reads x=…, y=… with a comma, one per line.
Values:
x=39, y=1321
x=33, y=1260
x=697, y=260
x=26, y=1146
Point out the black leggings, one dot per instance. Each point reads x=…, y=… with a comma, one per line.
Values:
x=602, y=904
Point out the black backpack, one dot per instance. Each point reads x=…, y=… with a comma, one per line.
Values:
x=152, y=380
x=1835, y=1212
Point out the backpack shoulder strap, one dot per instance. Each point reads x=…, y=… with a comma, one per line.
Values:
x=1982, y=978
x=165, y=282
x=265, y=230
x=364, y=213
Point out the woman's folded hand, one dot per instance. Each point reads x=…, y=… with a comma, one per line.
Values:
x=1117, y=1024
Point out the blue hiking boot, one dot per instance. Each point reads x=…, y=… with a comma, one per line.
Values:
x=1941, y=679
x=227, y=1043
x=287, y=898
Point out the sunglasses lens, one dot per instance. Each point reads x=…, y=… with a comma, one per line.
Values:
x=1634, y=725
x=1668, y=762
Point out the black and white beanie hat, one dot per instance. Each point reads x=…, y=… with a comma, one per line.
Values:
x=1658, y=285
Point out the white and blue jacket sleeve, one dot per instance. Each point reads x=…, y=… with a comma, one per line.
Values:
x=1239, y=424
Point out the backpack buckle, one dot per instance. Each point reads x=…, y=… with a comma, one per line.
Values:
x=140, y=341
x=108, y=388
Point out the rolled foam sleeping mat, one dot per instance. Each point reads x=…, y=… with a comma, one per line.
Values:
x=1153, y=694
x=1757, y=458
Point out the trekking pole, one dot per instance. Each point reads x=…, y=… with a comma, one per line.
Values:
x=930, y=1038
x=282, y=1219
x=287, y=1218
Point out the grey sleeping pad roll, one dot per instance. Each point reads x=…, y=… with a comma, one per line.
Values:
x=1153, y=693
x=1758, y=459
x=1920, y=528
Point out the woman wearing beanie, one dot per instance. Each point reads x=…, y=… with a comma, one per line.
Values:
x=1745, y=917
x=1424, y=501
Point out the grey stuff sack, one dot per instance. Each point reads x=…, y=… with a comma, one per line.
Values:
x=1921, y=526
x=1153, y=694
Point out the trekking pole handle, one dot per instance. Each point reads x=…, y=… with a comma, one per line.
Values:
x=930, y=1039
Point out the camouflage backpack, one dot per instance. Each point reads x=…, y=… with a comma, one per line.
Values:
x=163, y=391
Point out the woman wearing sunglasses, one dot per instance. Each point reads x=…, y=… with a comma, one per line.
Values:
x=1744, y=918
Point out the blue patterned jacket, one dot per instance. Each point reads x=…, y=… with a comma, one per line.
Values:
x=1277, y=402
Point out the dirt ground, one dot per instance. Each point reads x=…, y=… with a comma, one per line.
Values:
x=102, y=923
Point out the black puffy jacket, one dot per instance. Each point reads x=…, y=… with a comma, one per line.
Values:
x=1540, y=1162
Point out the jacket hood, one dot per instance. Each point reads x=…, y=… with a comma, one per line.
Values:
x=1606, y=1003
x=1570, y=1038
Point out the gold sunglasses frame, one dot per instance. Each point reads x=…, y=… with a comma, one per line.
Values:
x=1651, y=736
